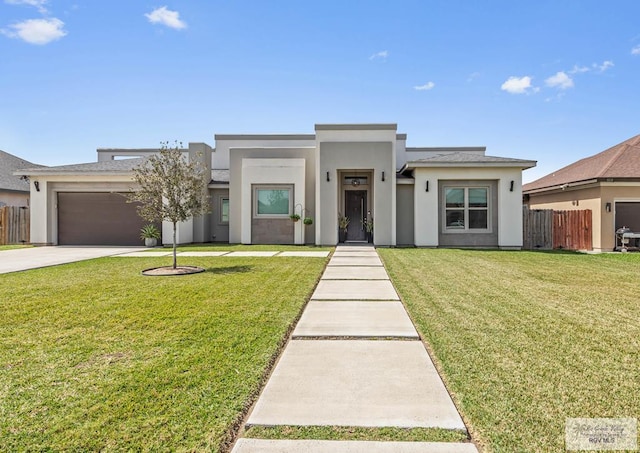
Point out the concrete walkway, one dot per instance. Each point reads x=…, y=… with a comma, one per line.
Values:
x=34, y=257
x=355, y=359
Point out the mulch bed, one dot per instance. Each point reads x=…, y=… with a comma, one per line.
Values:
x=169, y=270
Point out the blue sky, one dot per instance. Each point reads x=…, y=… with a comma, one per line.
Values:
x=553, y=81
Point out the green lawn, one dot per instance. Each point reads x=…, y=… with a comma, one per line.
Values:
x=13, y=246
x=95, y=356
x=527, y=339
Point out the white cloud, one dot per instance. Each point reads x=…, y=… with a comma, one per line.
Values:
x=37, y=31
x=383, y=54
x=635, y=50
x=166, y=17
x=561, y=81
x=38, y=4
x=579, y=69
x=426, y=87
x=604, y=66
x=518, y=85
x=473, y=76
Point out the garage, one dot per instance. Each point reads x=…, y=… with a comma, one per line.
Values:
x=628, y=215
x=90, y=218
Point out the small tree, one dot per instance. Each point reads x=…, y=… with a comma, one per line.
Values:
x=171, y=188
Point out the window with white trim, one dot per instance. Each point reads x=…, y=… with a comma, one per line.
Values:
x=224, y=210
x=466, y=208
x=272, y=201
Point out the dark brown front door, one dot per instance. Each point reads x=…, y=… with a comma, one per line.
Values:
x=355, y=206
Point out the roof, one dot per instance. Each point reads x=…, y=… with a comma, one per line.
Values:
x=219, y=177
x=120, y=166
x=8, y=165
x=464, y=159
x=620, y=161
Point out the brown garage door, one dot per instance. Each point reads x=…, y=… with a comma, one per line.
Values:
x=97, y=219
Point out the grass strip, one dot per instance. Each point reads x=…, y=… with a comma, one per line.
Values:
x=356, y=433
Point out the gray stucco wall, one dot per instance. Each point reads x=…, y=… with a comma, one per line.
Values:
x=375, y=156
x=201, y=153
x=404, y=214
x=219, y=230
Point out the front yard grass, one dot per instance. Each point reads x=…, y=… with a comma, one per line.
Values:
x=14, y=246
x=95, y=356
x=526, y=339
x=209, y=247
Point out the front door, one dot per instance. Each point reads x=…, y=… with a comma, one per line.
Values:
x=355, y=202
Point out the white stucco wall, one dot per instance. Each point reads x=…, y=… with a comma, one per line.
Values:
x=225, y=143
x=426, y=204
x=268, y=171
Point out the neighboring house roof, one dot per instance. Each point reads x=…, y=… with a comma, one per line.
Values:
x=464, y=159
x=620, y=161
x=8, y=180
x=121, y=166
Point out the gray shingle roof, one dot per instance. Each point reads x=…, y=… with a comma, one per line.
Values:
x=470, y=159
x=8, y=165
x=107, y=166
x=619, y=161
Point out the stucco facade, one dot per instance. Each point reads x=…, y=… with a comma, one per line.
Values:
x=433, y=197
x=602, y=198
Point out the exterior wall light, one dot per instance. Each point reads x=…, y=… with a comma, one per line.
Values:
x=511, y=187
x=328, y=177
x=607, y=207
x=36, y=184
x=383, y=176
x=426, y=187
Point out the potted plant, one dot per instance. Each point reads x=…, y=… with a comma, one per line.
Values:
x=343, y=223
x=295, y=217
x=308, y=221
x=368, y=227
x=150, y=234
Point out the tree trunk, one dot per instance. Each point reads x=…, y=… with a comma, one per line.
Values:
x=175, y=261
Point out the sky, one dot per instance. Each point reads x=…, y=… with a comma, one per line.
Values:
x=551, y=81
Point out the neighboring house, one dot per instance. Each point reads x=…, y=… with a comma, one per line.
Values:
x=607, y=183
x=14, y=190
x=413, y=196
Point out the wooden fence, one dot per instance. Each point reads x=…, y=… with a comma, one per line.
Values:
x=546, y=229
x=14, y=225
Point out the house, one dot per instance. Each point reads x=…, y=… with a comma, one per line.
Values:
x=607, y=183
x=432, y=197
x=14, y=190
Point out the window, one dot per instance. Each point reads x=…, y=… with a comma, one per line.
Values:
x=272, y=201
x=224, y=210
x=466, y=208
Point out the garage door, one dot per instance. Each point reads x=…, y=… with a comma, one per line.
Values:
x=628, y=214
x=97, y=219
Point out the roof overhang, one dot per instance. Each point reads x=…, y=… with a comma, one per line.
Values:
x=561, y=187
x=521, y=164
x=584, y=184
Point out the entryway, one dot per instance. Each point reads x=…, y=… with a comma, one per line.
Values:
x=355, y=202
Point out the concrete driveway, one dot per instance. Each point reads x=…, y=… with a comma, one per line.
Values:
x=34, y=257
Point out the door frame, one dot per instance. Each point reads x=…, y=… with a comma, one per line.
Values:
x=365, y=184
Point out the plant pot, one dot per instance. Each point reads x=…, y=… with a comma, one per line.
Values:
x=342, y=235
x=150, y=242
x=370, y=237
